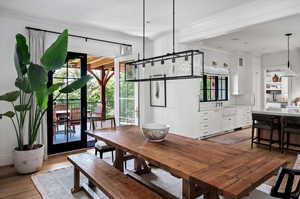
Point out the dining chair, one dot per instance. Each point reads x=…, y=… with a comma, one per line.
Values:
x=291, y=126
x=75, y=119
x=287, y=180
x=100, y=146
x=62, y=107
x=268, y=122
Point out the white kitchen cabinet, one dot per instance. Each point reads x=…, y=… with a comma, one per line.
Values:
x=223, y=119
x=243, y=116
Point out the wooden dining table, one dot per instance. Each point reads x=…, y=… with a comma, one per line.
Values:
x=206, y=168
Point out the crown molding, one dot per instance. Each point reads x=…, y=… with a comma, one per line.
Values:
x=238, y=17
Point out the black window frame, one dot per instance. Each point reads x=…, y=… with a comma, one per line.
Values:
x=221, y=87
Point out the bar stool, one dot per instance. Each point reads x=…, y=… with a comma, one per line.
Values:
x=268, y=122
x=291, y=126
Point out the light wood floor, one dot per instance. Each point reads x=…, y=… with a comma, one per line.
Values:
x=14, y=186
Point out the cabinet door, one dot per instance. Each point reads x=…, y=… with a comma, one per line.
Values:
x=215, y=121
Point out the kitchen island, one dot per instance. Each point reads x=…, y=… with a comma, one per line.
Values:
x=282, y=113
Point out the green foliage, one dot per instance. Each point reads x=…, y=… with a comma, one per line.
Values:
x=32, y=83
x=23, y=84
x=42, y=98
x=22, y=107
x=22, y=52
x=55, y=55
x=9, y=114
x=54, y=87
x=10, y=96
x=77, y=84
x=38, y=77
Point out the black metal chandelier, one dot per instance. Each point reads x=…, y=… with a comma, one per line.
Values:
x=176, y=65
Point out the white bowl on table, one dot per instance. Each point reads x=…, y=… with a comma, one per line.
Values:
x=155, y=132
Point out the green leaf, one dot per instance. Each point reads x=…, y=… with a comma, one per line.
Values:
x=55, y=56
x=23, y=56
x=10, y=96
x=42, y=98
x=38, y=77
x=54, y=88
x=9, y=114
x=23, y=84
x=22, y=107
x=77, y=84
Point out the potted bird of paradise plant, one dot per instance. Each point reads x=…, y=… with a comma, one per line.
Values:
x=29, y=102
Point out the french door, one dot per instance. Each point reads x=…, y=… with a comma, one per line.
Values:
x=67, y=113
x=127, y=96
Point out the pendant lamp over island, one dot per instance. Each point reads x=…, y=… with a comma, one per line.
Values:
x=171, y=66
x=288, y=71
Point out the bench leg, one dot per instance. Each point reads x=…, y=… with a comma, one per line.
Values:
x=76, y=187
x=118, y=163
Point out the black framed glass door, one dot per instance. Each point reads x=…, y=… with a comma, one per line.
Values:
x=67, y=113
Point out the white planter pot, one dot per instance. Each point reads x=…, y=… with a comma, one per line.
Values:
x=29, y=161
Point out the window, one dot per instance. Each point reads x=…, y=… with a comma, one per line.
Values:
x=213, y=88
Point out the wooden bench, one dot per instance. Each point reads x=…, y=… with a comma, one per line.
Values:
x=108, y=179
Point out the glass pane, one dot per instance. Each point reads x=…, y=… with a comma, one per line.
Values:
x=74, y=73
x=208, y=95
x=223, y=94
x=213, y=97
x=223, y=84
x=213, y=85
x=74, y=122
x=208, y=83
x=60, y=73
x=219, y=94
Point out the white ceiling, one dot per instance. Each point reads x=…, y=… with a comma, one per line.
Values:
x=259, y=39
x=122, y=15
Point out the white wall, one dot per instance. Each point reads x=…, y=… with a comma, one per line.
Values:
x=11, y=24
x=182, y=108
x=279, y=59
x=181, y=112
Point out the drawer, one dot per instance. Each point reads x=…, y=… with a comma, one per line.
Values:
x=204, y=126
x=204, y=119
x=204, y=114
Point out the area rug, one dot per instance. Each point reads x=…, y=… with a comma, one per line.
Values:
x=233, y=137
x=58, y=183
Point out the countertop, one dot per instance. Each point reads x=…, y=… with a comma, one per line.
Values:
x=279, y=111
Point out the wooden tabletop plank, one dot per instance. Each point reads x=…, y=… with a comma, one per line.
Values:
x=237, y=177
x=178, y=154
x=232, y=171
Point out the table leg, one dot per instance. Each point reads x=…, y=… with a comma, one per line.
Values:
x=188, y=190
x=119, y=161
x=76, y=187
x=212, y=194
x=141, y=167
x=192, y=189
